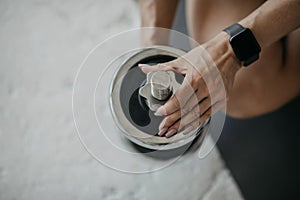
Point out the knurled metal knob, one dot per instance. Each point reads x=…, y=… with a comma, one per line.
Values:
x=159, y=87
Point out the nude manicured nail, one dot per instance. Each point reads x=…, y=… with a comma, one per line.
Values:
x=171, y=132
x=143, y=65
x=160, y=111
x=162, y=131
x=157, y=114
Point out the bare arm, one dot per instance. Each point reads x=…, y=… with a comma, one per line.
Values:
x=157, y=13
x=271, y=21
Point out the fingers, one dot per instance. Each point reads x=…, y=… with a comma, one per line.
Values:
x=177, y=122
x=194, y=82
x=191, y=120
x=207, y=114
x=197, y=122
x=153, y=68
x=174, y=117
x=200, y=99
x=178, y=65
x=169, y=120
x=218, y=106
x=184, y=93
x=191, y=116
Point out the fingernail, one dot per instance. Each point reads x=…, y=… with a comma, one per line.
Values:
x=171, y=132
x=188, y=130
x=157, y=114
x=162, y=124
x=162, y=131
x=143, y=65
x=160, y=111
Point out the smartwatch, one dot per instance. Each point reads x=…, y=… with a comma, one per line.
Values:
x=243, y=43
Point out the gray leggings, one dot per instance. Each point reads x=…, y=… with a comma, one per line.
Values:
x=263, y=153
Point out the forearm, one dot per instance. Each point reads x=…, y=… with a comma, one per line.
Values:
x=273, y=20
x=157, y=13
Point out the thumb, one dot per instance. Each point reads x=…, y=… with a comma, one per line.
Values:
x=153, y=68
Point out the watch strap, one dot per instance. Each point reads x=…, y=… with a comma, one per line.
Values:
x=234, y=29
x=250, y=60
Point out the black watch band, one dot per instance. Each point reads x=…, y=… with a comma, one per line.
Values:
x=243, y=43
x=234, y=29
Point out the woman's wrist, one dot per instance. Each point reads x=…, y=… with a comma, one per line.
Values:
x=222, y=53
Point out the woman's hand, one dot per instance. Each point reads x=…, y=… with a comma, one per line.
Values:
x=209, y=72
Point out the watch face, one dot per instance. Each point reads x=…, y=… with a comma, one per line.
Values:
x=244, y=45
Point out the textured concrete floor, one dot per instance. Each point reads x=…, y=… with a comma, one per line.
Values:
x=42, y=45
